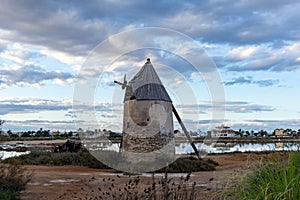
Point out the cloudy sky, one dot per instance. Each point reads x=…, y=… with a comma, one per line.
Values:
x=255, y=46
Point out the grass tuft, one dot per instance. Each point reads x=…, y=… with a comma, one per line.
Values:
x=278, y=178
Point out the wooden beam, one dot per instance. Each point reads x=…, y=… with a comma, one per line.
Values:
x=186, y=132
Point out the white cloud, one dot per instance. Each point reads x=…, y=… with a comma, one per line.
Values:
x=18, y=53
x=63, y=57
x=264, y=57
x=244, y=52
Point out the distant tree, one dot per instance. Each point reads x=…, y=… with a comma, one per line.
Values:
x=70, y=134
x=65, y=134
x=42, y=133
x=288, y=131
x=239, y=133
x=263, y=133
x=247, y=133
x=46, y=133
x=26, y=134
x=39, y=133
x=12, y=135
x=113, y=135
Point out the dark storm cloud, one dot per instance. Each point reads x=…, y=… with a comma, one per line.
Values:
x=30, y=74
x=249, y=80
x=75, y=27
x=239, y=21
x=52, y=24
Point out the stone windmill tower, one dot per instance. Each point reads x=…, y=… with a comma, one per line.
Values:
x=147, y=119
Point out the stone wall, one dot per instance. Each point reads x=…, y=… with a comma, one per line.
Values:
x=148, y=127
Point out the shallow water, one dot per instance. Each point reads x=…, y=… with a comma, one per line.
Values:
x=182, y=148
x=8, y=154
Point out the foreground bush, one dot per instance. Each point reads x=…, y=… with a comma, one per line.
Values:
x=13, y=179
x=278, y=178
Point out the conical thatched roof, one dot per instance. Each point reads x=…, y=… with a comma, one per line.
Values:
x=146, y=85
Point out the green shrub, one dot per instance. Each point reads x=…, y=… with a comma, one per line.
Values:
x=9, y=194
x=275, y=179
x=13, y=179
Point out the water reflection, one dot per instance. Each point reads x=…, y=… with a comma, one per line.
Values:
x=185, y=148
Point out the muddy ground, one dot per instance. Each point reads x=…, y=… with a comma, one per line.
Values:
x=74, y=182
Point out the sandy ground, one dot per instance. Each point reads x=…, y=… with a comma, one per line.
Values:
x=72, y=182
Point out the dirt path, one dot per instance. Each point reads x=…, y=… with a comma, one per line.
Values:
x=72, y=182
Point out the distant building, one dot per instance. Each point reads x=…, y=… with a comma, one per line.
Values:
x=222, y=131
x=279, y=132
x=55, y=133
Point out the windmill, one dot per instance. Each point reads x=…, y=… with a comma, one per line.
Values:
x=124, y=84
x=147, y=116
